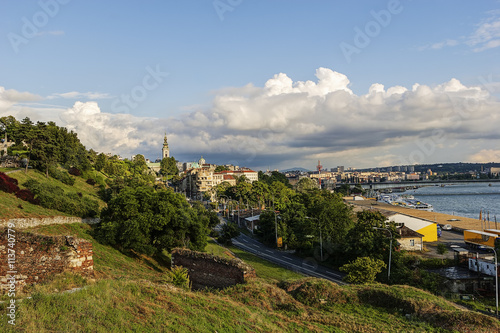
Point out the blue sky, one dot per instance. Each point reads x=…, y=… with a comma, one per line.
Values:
x=74, y=61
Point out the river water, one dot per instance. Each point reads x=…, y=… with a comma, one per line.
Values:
x=462, y=200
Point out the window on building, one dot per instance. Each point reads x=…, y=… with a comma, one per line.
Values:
x=412, y=242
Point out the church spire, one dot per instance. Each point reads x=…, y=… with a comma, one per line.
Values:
x=165, y=152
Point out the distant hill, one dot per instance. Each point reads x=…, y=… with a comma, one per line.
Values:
x=446, y=167
x=295, y=169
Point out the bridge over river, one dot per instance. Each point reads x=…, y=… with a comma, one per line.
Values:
x=419, y=183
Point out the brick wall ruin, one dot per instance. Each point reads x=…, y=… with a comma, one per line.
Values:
x=38, y=257
x=206, y=270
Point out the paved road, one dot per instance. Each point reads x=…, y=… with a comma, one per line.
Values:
x=307, y=266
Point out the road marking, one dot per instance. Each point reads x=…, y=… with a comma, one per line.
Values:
x=268, y=251
x=287, y=258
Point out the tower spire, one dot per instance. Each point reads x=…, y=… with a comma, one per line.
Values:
x=165, y=152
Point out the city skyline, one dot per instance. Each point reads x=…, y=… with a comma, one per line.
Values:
x=261, y=84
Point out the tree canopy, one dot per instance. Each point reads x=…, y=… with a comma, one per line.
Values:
x=149, y=221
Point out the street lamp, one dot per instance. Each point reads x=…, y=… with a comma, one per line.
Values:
x=496, y=278
x=275, y=223
x=320, y=237
x=390, y=252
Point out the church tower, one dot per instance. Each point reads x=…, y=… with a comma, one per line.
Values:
x=165, y=152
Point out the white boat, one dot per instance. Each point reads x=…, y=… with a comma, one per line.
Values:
x=405, y=200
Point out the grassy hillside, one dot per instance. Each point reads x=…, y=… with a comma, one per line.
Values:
x=10, y=206
x=130, y=294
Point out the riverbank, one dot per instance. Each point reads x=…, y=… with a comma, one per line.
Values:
x=458, y=223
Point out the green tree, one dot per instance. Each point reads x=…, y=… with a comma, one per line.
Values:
x=260, y=192
x=168, y=167
x=46, y=150
x=149, y=221
x=363, y=270
x=365, y=241
x=229, y=231
x=333, y=216
x=139, y=166
x=306, y=184
x=220, y=168
x=100, y=162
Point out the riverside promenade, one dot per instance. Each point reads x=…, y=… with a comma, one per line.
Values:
x=458, y=223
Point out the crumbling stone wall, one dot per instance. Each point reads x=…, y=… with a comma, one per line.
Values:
x=29, y=222
x=206, y=270
x=38, y=257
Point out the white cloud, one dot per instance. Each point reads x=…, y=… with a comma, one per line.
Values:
x=78, y=95
x=485, y=156
x=485, y=36
x=10, y=97
x=286, y=123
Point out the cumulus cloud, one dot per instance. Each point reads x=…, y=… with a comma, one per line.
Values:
x=286, y=123
x=121, y=134
x=10, y=97
x=485, y=156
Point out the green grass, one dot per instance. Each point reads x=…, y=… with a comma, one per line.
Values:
x=214, y=248
x=108, y=261
x=130, y=295
x=9, y=208
x=9, y=204
x=7, y=169
x=80, y=185
x=265, y=269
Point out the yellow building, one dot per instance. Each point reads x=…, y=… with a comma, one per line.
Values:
x=428, y=229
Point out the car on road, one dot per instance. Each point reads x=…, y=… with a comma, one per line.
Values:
x=446, y=227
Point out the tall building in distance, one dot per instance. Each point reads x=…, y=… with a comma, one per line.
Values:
x=165, y=152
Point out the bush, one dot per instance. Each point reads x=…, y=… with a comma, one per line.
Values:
x=362, y=270
x=8, y=184
x=62, y=176
x=26, y=195
x=74, y=171
x=53, y=197
x=179, y=277
x=91, y=181
x=229, y=230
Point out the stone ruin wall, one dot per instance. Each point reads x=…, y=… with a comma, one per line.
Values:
x=30, y=222
x=206, y=270
x=38, y=257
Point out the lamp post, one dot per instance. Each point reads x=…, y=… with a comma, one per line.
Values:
x=496, y=278
x=390, y=252
x=275, y=224
x=320, y=237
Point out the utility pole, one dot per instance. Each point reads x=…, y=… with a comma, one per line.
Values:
x=390, y=252
x=496, y=278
